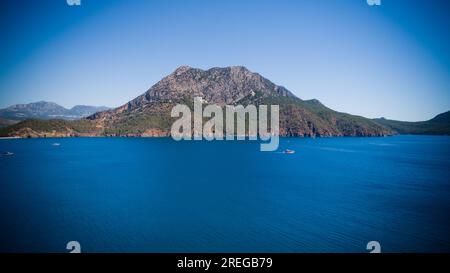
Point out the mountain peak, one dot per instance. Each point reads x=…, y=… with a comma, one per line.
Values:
x=182, y=69
x=228, y=69
x=235, y=68
x=43, y=102
x=221, y=85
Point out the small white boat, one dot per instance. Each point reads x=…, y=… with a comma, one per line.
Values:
x=7, y=154
x=287, y=151
x=56, y=144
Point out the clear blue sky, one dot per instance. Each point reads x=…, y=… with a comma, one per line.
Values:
x=392, y=60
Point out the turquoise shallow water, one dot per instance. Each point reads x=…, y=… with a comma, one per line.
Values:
x=158, y=195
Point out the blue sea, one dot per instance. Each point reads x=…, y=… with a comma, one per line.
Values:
x=159, y=195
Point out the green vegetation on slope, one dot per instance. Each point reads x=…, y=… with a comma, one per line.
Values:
x=38, y=126
x=417, y=128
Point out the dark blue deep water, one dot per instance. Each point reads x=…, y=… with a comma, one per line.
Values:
x=158, y=195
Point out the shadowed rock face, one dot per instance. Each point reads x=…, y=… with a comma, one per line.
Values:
x=149, y=114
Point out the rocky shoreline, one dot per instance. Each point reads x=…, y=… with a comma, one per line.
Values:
x=29, y=133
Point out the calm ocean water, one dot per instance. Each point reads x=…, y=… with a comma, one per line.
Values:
x=158, y=195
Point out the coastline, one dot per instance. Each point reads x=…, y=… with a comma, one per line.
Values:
x=288, y=137
x=16, y=137
x=168, y=136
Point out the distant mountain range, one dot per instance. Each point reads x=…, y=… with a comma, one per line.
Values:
x=45, y=110
x=149, y=114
